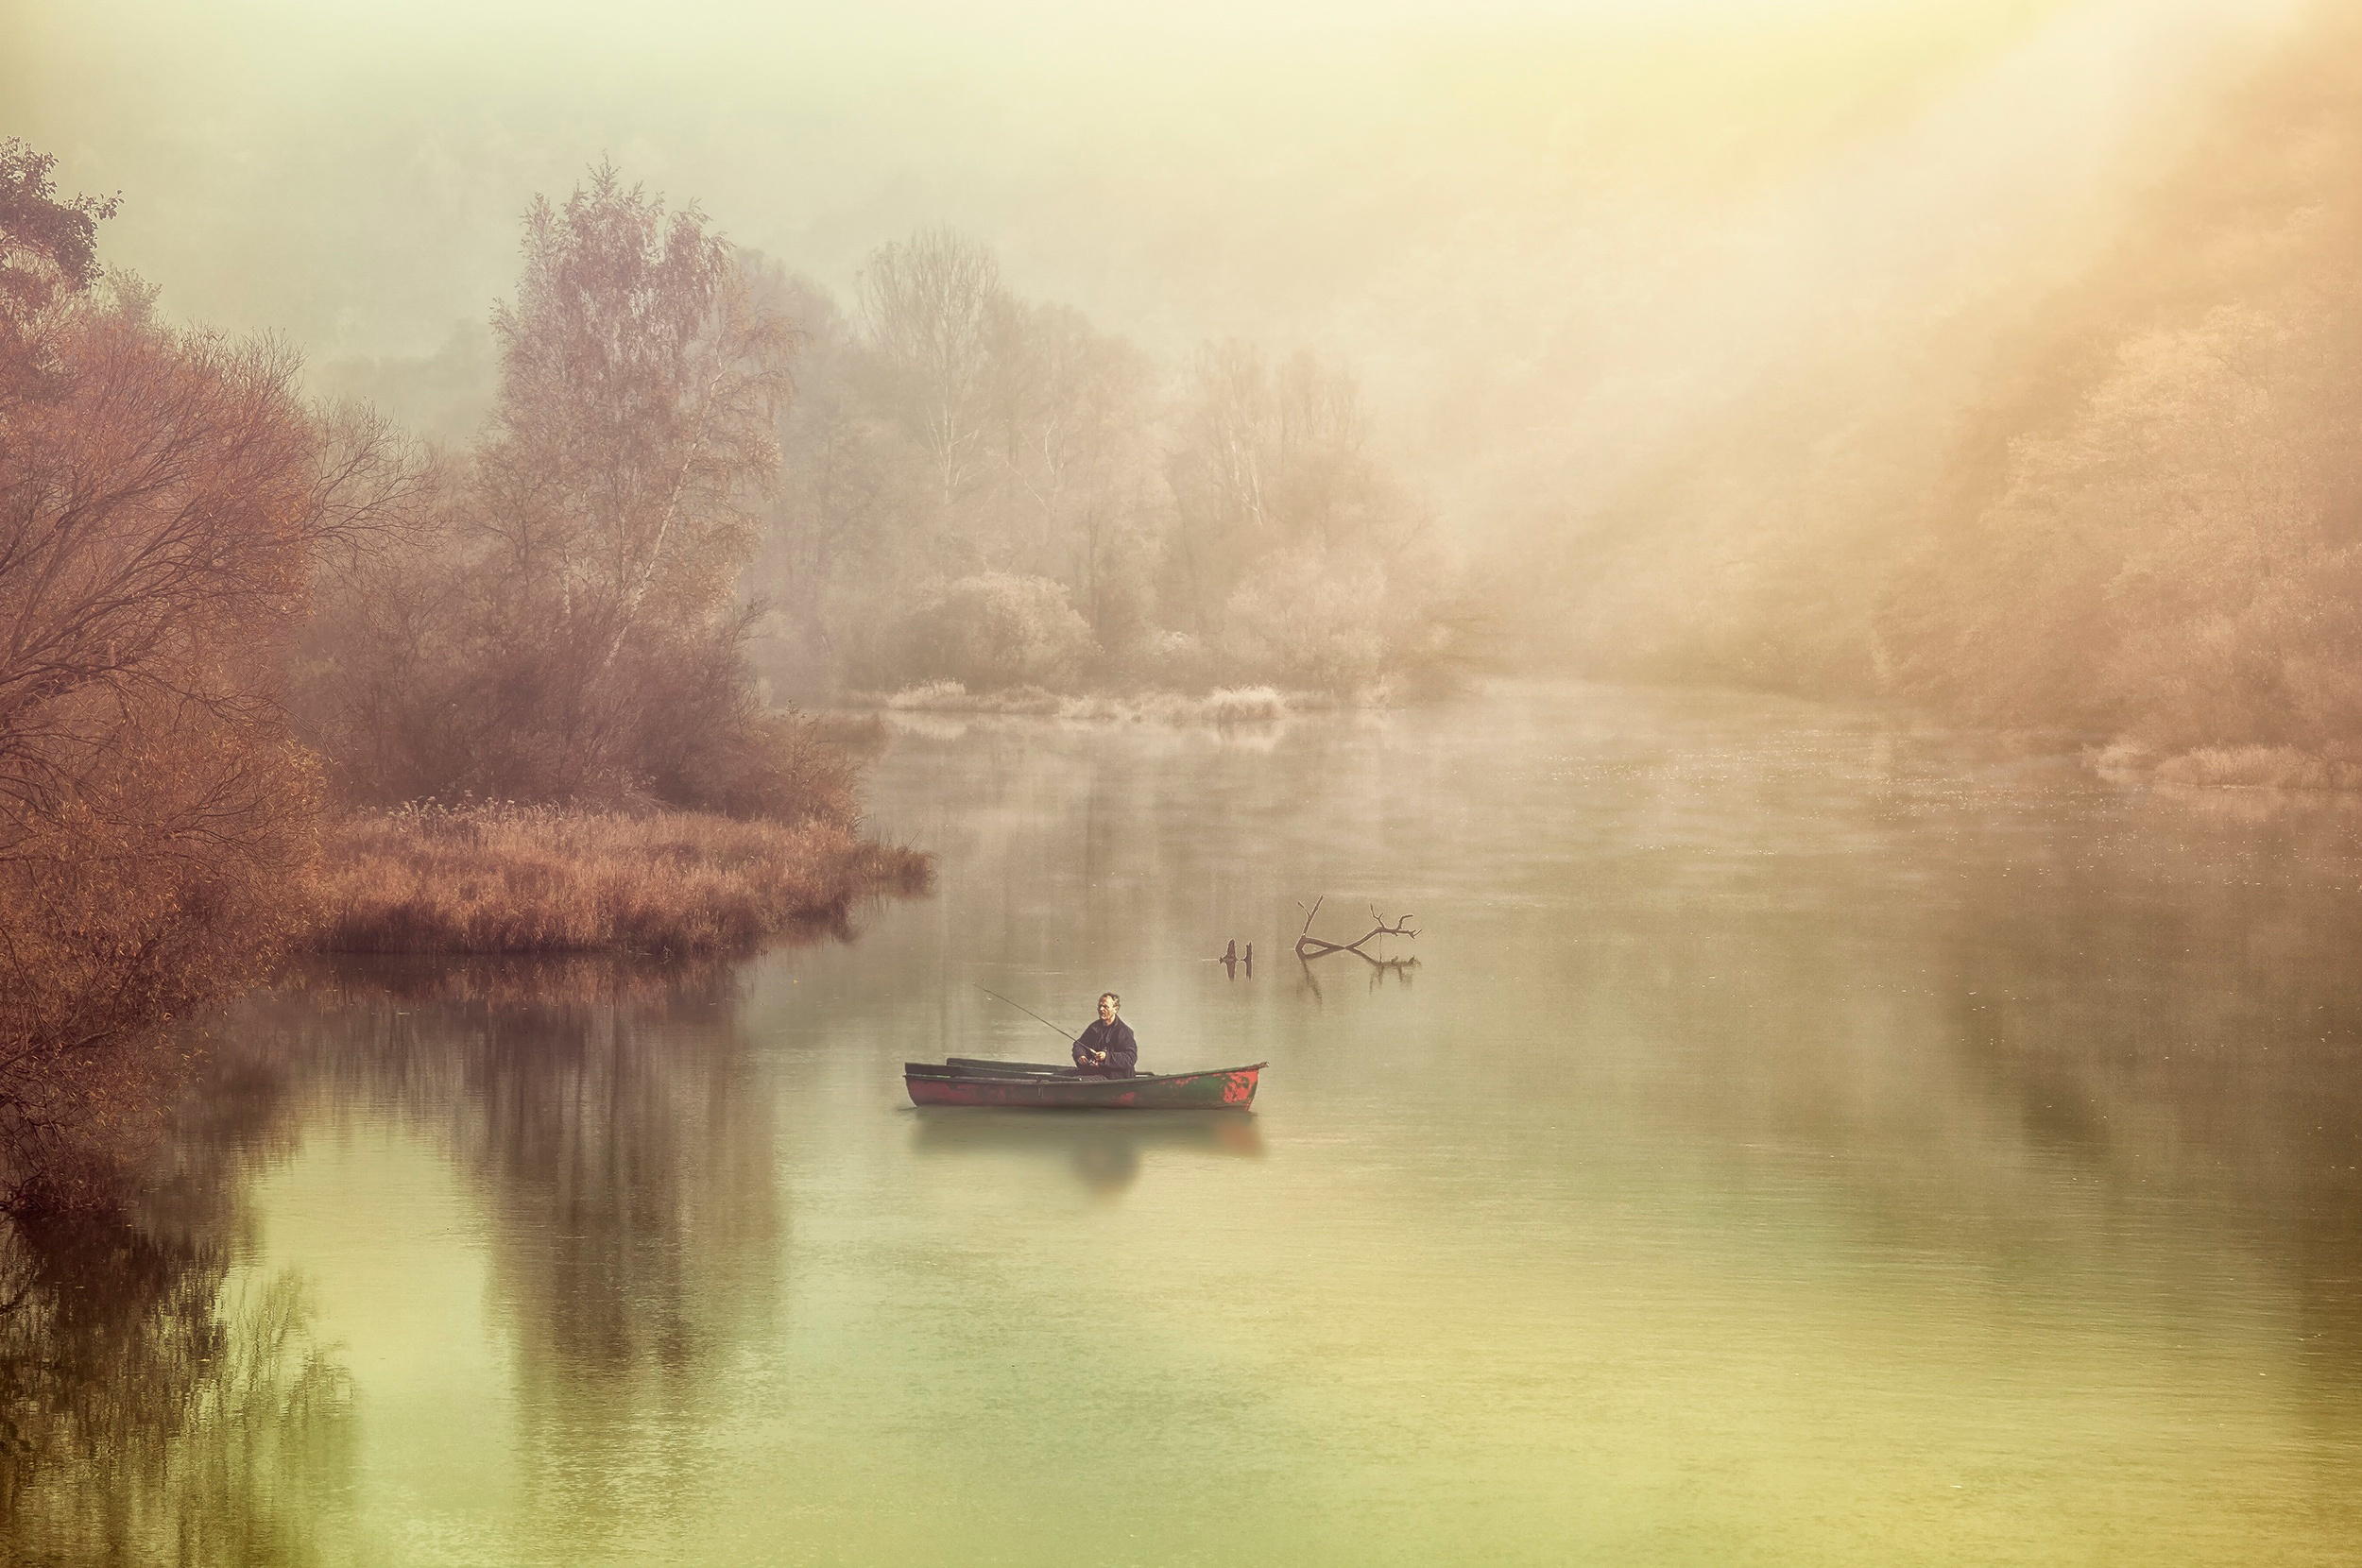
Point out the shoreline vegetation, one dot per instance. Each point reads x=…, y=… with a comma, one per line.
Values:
x=2213, y=768
x=869, y=715
x=239, y=629
x=1222, y=705
x=502, y=879
x=239, y=624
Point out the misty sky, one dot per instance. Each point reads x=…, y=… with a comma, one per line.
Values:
x=1543, y=229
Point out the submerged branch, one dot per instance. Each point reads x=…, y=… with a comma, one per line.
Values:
x=1309, y=945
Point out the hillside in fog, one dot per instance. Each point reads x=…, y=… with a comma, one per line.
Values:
x=2153, y=524
x=2126, y=505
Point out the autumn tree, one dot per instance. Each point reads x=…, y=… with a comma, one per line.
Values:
x=2153, y=531
x=1220, y=473
x=164, y=499
x=573, y=630
x=1306, y=561
x=985, y=488
x=1077, y=453
x=48, y=253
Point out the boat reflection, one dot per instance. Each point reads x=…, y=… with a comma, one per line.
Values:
x=1103, y=1149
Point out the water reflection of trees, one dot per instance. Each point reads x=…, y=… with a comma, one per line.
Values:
x=2179, y=1011
x=155, y=1404
x=616, y=1130
x=2092, y=1019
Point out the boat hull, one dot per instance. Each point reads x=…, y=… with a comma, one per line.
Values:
x=1050, y=1088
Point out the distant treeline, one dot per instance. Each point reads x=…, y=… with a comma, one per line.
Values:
x=984, y=489
x=2145, y=523
x=232, y=618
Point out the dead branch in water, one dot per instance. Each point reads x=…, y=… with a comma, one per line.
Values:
x=1309, y=945
x=1379, y=968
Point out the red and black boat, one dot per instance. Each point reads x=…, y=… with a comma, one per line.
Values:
x=967, y=1080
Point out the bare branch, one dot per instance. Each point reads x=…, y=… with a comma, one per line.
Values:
x=1309, y=945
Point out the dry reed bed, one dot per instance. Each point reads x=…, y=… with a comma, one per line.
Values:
x=537, y=880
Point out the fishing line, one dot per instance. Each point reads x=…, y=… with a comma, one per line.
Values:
x=1029, y=1012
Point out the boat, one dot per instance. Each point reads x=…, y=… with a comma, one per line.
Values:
x=1050, y=1086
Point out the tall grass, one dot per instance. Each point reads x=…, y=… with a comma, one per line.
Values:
x=541, y=880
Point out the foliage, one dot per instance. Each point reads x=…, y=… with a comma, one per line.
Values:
x=197, y=569
x=2136, y=512
x=966, y=467
x=163, y=499
x=2166, y=547
x=633, y=432
x=561, y=623
x=48, y=253
x=991, y=630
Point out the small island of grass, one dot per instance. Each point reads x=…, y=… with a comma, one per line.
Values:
x=541, y=879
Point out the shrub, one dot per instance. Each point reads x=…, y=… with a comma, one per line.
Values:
x=1308, y=623
x=993, y=630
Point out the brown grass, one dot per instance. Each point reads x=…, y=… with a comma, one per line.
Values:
x=541, y=880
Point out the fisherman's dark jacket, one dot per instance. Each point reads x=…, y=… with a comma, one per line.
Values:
x=1115, y=1039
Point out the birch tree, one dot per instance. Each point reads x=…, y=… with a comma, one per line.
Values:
x=629, y=452
x=935, y=310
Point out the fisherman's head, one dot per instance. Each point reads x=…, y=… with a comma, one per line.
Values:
x=1109, y=1002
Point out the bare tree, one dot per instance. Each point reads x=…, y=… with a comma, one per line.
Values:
x=848, y=487
x=935, y=310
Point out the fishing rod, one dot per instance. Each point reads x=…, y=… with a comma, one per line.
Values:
x=1029, y=1012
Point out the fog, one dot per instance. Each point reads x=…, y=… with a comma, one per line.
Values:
x=1758, y=515
x=1544, y=231
x=1651, y=305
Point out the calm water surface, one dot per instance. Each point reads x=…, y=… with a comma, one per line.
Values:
x=1799, y=1140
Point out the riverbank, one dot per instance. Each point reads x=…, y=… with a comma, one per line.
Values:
x=1222, y=705
x=541, y=880
x=2333, y=769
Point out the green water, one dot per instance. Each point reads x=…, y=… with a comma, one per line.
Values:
x=1799, y=1140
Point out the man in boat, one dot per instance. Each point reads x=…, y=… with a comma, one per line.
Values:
x=1107, y=1048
